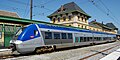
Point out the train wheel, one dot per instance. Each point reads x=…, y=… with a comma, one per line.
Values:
x=54, y=47
x=38, y=50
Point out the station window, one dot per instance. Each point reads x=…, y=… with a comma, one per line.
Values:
x=0, y=27
x=69, y=25
x=48, y=35
x=82, y=27
x=69, y=17
x=56, y=35
x=9, y=28
x=58, y=19
x=64, y=36
x=70, y=36
x=82, y=19
x=85, y=27
x=53, y=20
x=79, y=18
x=64, y=18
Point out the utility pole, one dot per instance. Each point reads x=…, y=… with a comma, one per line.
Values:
x=31, y=7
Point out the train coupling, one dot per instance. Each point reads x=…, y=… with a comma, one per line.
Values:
x=12, y=47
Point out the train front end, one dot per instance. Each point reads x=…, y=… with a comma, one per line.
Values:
x=15, y=42
x=26, y=39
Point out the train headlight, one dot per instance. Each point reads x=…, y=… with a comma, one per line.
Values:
x=18, y=42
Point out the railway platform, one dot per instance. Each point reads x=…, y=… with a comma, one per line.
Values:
x=2, y=50
x=5, y=52
x=113, y=56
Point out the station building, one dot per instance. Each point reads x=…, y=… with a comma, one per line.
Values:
x=71, y=14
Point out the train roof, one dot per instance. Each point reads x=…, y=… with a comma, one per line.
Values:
x=57, y=27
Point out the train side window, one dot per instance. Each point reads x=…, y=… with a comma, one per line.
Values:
x=88, y=39
x=70, y=36
x=84, y=39
x=81, y=39
x=64, y=36
x=48, y=35
x=56, y=35
x=95, y=38
x=35, y=32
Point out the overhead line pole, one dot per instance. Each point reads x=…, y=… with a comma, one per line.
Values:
x=31, y=7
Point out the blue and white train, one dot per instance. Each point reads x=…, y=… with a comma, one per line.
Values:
x=37, y=36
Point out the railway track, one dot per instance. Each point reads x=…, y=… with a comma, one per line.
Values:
x=100, y=52
x=19, y=55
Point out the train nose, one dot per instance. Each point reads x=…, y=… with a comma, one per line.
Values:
x=13, y=44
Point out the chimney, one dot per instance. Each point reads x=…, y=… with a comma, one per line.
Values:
x=61, y=9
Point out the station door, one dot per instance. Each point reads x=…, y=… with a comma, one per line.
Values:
x=7, y=38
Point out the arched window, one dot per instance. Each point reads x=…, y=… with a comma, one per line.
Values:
x=64, y=18
x=86, y=20
x=69, y=25
x=78, y=18
x=82, y=26
x=69, y=17
x=53, y=20
x=58, y=19
x=82, y=19
x=85, y=27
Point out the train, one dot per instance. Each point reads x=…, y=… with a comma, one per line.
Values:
x=37, y=37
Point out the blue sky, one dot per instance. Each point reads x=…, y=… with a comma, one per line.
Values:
x=43, y=8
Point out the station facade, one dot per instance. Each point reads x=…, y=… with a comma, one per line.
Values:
x=71, y=14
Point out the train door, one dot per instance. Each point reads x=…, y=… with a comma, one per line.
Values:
x=77, y=39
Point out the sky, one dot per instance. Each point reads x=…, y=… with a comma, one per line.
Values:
x=107, y=11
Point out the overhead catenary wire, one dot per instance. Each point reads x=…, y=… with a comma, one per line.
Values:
x=26, y=9
x=17, y=1
x=42, y=6
x=102, y=10
x=15, y=9
x=109, y=11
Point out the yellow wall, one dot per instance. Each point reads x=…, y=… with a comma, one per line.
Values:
x=2, y=39
x=79, y=22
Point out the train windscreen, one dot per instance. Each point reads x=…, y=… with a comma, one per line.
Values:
x=18, y=33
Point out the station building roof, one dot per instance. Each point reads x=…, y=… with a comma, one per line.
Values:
x=8, y=13
x=18, y=20
x=68, y=8
x=101, y=25
x=111, y=25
